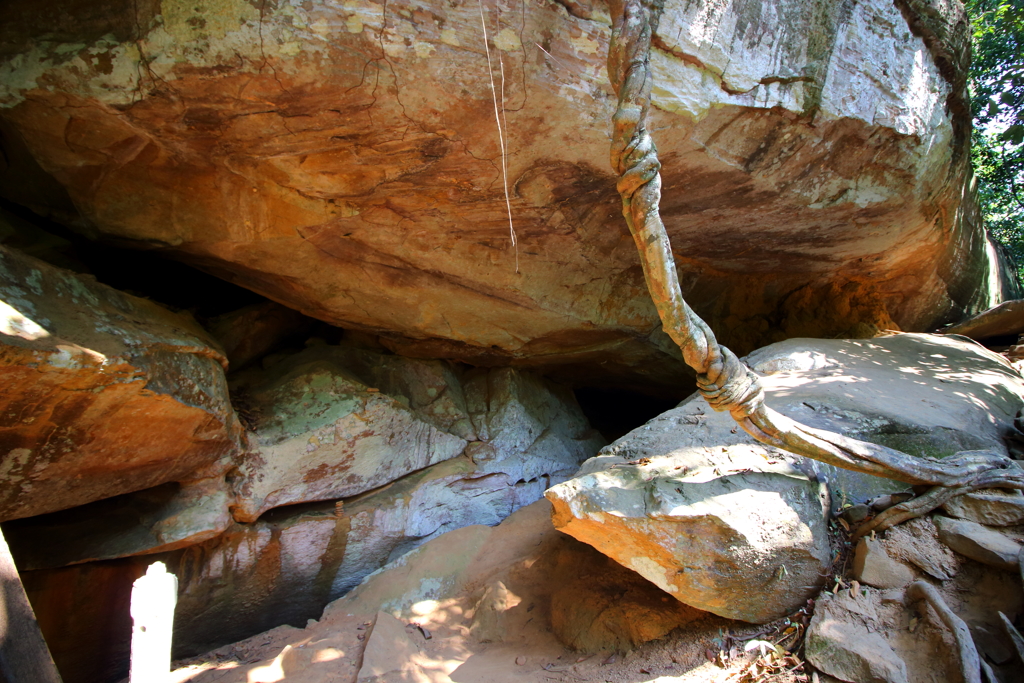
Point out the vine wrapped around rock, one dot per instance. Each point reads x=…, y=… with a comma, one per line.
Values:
x=724, y=381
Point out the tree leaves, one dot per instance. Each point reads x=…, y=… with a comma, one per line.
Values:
x=997, y=91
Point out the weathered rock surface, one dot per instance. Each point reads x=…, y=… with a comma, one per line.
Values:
x=532, y=434
x=993, y=508
x=873, y=566
x=979, y=543
x=324, y=156
x=845, y=648
x=696, y=491
x=104, y=393
x=927, y=395
x=334, y=421
x=287, y=565
x=747, y=542
x=160, y=519
x=916, y=544
x=525, y=426
x=320, y=434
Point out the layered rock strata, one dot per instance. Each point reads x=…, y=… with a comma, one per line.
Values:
x=815, y=166
x=355, y=456
x=104, y=393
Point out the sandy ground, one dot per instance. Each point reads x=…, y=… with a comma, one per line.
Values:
x=441, y=641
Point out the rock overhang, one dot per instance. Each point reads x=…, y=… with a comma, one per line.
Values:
x=342, y=161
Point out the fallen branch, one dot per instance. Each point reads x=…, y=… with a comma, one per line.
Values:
x=724, y=381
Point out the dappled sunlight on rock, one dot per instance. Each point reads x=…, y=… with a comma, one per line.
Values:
x=15, y=324
x=730, y=525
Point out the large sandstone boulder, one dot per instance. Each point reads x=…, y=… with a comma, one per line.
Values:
x=720, y=521
x=815, y=165
x=335, y=421
x=322, y=435
x=732, y=535
x=103, y=393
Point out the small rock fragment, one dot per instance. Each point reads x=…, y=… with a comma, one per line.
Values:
x=873, y=566
x=389, y=648
x=489, y=616
x=855, y=514
x=520, y=660
x=978, y=542
x=886, y=501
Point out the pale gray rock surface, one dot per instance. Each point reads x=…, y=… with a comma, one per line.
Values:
x=980, y=543
x=334, y=421
x=928, y=395
x=992, y=508
x=839, y=643
x=320, y=434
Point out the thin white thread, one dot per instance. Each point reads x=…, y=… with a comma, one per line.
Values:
x=501, y=133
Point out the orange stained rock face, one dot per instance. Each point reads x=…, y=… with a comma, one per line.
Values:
x=104, y=393
x=359, y=178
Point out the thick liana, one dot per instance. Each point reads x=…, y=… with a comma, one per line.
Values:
x=724, y=381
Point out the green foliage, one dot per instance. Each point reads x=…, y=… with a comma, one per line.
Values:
x=997, y=101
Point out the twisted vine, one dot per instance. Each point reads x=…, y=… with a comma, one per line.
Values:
x=724, y=381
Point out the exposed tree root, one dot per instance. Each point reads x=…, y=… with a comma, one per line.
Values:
x=915, y=507
x=970, y=662
x=724, y=381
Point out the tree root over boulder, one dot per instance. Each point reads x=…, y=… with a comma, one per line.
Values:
x=724, y=381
